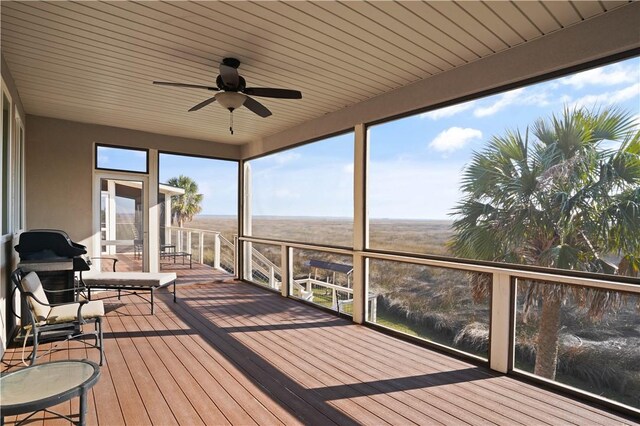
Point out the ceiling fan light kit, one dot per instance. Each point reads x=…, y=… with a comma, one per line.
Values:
x=230, y=100
x=233, y=92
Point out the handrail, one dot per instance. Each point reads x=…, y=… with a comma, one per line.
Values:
x=225, y=242
x=219, y=242
x=511, y=270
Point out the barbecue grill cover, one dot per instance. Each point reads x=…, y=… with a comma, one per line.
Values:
x=48, y=244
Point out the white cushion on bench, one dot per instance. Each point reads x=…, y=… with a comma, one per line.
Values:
x=121, y=279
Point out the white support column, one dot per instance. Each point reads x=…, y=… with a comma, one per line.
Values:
x=247, y=257
x=287, y=270
x=236, y=267
x=272, y=277
x=152, y=242
x=188, y=248
x=334, y=298
x=360, y=224
x=216, y=250
x=500, y=323
x=167, y=218
x=201, y=247
x=373, y=313
x=111, y=224
x=360, y=274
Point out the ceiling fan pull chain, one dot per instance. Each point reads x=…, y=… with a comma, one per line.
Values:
x=231, y=122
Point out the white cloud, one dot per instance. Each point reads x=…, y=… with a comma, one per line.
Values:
x=348, y=168
x=447, y=111
x=285, y=157
x=503, y=101
x=454, y=138
x=532, y=96
x=604, y=76
x=607, y=98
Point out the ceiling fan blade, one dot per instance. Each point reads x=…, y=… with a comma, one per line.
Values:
x=229, y=76
x=193, y=86
x=256, y=107
x=269, y=92
x=203, y=104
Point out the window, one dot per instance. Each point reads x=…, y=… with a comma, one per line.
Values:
x=323, y=278
x=123, y=159
x=304, y=194
x=581, y=337
x=263, y=264
x=199, y=214
x=514, y=177
x=445, y=306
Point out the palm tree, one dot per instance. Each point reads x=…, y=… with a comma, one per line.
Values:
x=559, y=199
x=187, y=205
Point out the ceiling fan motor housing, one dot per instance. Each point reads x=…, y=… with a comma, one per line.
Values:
x=231, y=62
x=242, y=84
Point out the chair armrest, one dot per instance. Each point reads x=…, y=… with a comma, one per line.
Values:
x=62, y=290
x=113, y=265
x=80, y=303
x=79, y=314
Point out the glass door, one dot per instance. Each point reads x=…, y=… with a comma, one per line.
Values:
x=122, y=207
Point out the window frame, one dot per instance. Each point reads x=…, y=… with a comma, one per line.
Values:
x=245, y=186
x=7, y=173
x=97, y=145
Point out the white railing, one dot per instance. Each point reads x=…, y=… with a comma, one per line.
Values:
x=501, y=311
x=223, y=250
x=305, y=286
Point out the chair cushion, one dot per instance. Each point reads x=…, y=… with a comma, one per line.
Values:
x=69, y=312
x=122, y=279
x=31, y=283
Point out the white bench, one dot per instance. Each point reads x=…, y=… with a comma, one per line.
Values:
x=129, y=281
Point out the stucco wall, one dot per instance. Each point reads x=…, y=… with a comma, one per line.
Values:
x=614, y=32
x=59, y=157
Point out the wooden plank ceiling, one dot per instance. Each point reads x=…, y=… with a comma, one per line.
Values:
x=95, y=61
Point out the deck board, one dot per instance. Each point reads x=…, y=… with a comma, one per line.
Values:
x=232, y=353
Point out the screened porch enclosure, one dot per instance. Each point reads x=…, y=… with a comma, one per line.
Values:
x=444, y=229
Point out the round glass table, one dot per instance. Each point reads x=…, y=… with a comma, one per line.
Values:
x=44, y=385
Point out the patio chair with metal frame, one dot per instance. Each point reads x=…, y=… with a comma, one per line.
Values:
x=59, y=321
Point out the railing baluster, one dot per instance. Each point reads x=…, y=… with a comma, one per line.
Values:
x=201, y=246
x=216, y=250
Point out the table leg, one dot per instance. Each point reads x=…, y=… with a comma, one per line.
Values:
x=83, y=408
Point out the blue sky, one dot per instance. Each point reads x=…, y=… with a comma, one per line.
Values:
x=217, y=180
x=415, y=163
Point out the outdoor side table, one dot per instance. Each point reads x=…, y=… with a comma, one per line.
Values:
x=44, y=385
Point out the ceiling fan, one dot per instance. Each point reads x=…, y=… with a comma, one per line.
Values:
x=234, y=93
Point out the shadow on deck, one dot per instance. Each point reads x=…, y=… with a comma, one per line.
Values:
x=232, y=353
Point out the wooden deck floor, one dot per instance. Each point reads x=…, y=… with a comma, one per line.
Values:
x=230, y=353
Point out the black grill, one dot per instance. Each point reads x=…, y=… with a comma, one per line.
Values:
x=52, y=254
